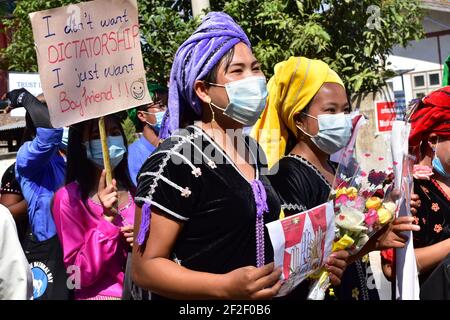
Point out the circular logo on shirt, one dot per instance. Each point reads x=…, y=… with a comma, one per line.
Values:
x=41, y=278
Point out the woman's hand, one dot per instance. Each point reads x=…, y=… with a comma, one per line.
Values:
x=415, y=203
x=392, y=236
x=252, y=283
x=336, y=265
x=108, y=197
x=128, y=234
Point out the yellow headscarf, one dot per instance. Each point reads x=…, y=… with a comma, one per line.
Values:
x=295, y=82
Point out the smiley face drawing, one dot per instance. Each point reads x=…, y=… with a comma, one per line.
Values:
x=138, y=90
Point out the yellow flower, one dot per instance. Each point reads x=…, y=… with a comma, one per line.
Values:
x=351, y=192
x=384, y=215
x=373, y=203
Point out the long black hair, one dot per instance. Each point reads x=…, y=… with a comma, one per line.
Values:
x=82, y=170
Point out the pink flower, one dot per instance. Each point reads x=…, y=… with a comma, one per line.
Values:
x=371, y=217
x=360, y=202
x=342, y=200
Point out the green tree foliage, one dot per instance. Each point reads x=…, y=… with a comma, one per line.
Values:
x=129, y=130
x=353, y=36
x=20, y=54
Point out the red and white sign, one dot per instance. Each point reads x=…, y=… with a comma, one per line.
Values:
x=385, y=115
x=301, y=243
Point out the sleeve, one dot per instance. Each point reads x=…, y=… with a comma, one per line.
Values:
x=422, y=237
x=293, y=187
x=15, y=272
x=133, y=163
x=90, y=249
x=170, y=182
x=9, y=182
x=35, y=154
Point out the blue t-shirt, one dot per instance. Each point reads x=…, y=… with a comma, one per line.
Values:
x=40, y=171
x=138, y=152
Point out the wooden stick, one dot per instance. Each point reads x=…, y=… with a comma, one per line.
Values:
x=105, y=149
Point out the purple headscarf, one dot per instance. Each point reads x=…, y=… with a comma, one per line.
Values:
x=194, y=59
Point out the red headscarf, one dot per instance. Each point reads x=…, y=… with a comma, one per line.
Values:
x=431, y=116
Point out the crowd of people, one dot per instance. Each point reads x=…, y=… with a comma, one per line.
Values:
x=185, y=215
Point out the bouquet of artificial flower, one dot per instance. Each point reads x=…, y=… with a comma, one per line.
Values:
x=363, y=204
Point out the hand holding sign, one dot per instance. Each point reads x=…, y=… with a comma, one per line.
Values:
x=108, y=197
x=252, y=283
x=90, y=61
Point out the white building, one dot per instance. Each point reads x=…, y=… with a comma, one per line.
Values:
x=420, y=64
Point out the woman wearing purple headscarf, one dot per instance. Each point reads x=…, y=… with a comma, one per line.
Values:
x=202, y=196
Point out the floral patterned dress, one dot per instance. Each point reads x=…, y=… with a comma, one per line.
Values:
x=433, y=216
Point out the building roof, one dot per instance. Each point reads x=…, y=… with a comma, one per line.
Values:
x=10, y=123
x=436, y=5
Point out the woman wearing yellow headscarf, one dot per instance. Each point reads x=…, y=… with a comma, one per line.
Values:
x=293, y=86
x=305, y=121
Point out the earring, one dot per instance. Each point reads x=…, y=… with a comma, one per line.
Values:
x=208, y=100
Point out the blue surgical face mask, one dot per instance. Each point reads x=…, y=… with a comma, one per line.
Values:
x=65, y=139
x=159, y=117
x=335, y=131
x=437, y=165
x=116, y=148
x=247, y=99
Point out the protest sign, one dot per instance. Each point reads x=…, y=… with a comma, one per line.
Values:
x=301, y=243
x=89, y=58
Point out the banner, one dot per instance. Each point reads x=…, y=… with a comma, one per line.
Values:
x=301, y=243
x=89, y=58
x=29, y=81
x=385, y=116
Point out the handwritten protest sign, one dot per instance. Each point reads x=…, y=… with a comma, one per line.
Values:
x=301, y=243
x=89, y=58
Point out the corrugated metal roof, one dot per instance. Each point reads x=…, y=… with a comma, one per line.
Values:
x=437, y=5
x=15, y=125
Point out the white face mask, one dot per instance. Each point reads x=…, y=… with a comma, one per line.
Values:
x=247, y=99
x=335, y=131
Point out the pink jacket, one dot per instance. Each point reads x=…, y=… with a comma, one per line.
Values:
x=93, y=245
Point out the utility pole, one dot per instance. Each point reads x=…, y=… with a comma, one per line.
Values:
x=198, y=6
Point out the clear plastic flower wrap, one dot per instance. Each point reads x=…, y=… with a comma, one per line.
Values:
x=363, y=198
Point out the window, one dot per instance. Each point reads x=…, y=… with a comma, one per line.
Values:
x=420, y=95
x=433, y=79
x=419, y=81
x=391, y=85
